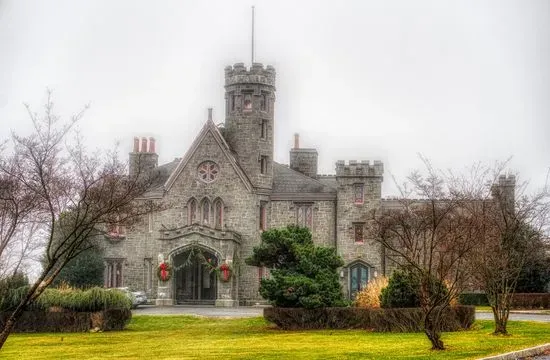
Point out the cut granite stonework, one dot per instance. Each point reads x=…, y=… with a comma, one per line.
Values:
x=226, y=190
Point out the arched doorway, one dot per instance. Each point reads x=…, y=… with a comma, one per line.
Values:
x=195, y=282
x=358, y=278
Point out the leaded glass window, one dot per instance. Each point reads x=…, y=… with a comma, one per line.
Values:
x=205, y=211
x=304, y=215
x=358, y=193
x=192, y=209
x=218, y=214
x=358, y=232
x=208, y=171
x=247, y=102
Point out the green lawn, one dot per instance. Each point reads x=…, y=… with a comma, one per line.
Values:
x=186, y=337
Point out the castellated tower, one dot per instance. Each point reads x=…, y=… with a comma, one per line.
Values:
x=249, y=109
x=359, y=192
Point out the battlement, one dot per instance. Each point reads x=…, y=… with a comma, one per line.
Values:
x=239, y=74
x=507, y=180
x=359, y=168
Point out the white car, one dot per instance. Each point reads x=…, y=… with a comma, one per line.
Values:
x=137, y=297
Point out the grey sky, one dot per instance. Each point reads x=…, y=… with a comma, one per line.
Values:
x=458, y=81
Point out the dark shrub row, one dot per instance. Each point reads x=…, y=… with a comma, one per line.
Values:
x=531, y=301
x=519, y=301
x=69, y=321
x=477, y=299
x=382, y=320
x=94, y=299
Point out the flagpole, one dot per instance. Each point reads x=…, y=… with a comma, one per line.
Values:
x=252, y=54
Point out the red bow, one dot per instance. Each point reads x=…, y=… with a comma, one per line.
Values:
x=163, y=272
x=225, y=270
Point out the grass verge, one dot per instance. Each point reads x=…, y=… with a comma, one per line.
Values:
x=186, y=337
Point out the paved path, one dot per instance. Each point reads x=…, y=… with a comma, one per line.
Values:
x=209, y=311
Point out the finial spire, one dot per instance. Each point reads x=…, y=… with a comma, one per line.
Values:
x=209, y=114
x=252, y=54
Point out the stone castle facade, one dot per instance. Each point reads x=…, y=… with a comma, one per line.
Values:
x=226, y=190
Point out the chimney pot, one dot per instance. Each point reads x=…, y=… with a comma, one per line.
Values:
x=136, y=144
x=143, y=144
x=152, y=145
x=296, y=141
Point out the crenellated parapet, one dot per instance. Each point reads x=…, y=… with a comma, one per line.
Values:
x=354, y=168
x=507, y=180
x=256, y=74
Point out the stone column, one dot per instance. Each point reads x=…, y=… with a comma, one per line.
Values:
x=164, y=293
x=225, y=294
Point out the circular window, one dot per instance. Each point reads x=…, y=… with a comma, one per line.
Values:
x=208, y=171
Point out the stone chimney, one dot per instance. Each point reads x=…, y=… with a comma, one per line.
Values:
x=143, y=158
x=303, y=160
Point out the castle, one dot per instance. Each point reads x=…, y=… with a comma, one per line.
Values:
x=226, y=190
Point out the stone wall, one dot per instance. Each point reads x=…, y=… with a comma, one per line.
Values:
x=283, y=213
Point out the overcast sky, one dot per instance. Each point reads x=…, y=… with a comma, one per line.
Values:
x=458, y=81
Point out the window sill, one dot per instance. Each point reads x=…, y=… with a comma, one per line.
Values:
x=362, y=242
x=114, y=237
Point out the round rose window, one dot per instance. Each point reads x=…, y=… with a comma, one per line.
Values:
x=208, y=171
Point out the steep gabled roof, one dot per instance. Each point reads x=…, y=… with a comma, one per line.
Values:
x=289, y=184
x=209, y=127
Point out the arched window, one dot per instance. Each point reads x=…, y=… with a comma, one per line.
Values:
x=192, y=212
x=218, y=213
x=205, y=211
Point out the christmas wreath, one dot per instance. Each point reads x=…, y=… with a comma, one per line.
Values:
x=225, y=272
x=164, y=271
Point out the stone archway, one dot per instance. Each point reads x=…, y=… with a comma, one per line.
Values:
x=359, y=276
x=194, y=281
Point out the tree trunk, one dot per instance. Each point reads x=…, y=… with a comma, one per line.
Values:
x=34, y=292
x=432, y=332
x=501, y=320
x=10, y=323
x=431, y=329
x=435, y=338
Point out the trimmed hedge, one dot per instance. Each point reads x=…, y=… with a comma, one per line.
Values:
x=69, y=321
x=531, y=301
x=380, y=320
x=519, y=300
x=477, y=299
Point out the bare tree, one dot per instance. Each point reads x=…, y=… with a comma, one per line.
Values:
x=424, y=233
x=23, y=251
x=75, y=196
x=17, y=203
x=508, y=225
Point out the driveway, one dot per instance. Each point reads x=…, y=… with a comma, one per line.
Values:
x=253, y=311
x=515, y=316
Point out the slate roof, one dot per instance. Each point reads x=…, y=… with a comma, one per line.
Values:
x=289, y=184
x=161, y=174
